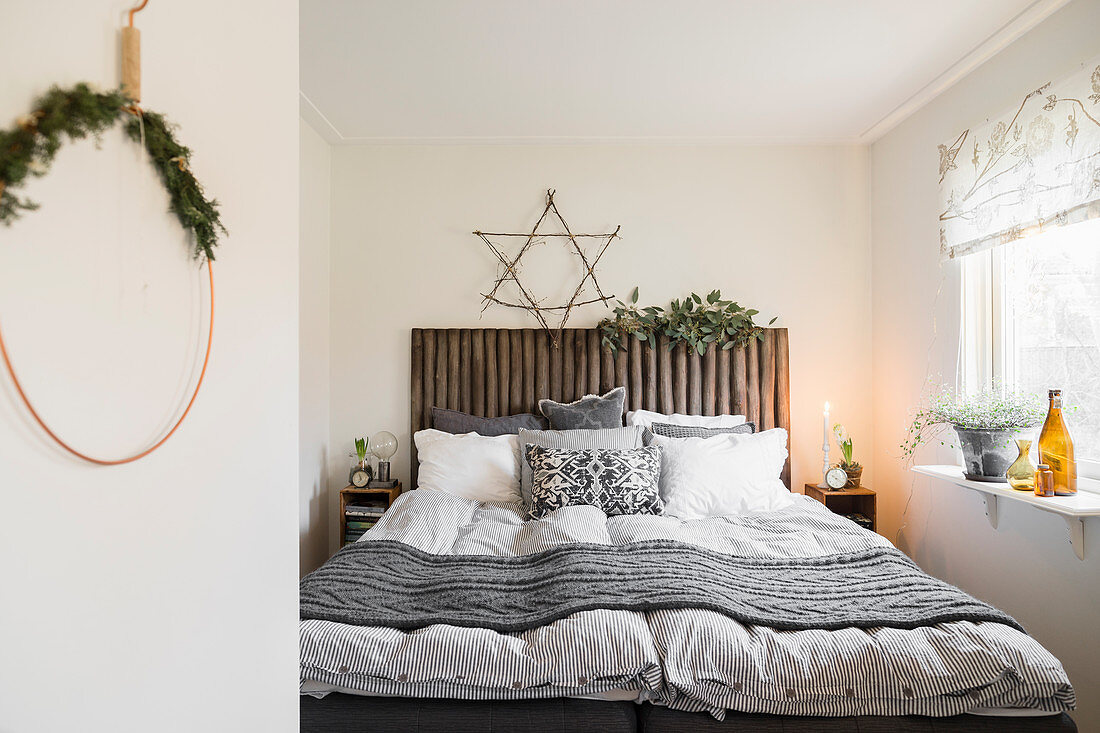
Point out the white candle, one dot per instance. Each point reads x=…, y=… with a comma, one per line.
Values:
x=825, y=426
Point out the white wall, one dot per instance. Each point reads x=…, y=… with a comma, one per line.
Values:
x=160, y=595
x=1026, y=566
x=315, y=510
x=781, y=229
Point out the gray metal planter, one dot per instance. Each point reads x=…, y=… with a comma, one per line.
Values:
x=987, y=454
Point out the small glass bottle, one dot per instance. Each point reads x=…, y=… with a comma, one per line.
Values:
x=1044, y=481
x=1021, y=474
x=1056, y=448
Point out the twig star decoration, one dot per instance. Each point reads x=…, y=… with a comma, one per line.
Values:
x=511, y=268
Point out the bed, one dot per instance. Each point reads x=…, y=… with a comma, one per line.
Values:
x=607, y=663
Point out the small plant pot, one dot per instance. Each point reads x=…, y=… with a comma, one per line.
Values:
x=854, y=475
x=987, y=454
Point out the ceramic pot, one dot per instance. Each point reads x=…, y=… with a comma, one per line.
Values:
x=987, y=454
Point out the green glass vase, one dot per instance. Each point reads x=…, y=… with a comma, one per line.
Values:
x=1021, y=474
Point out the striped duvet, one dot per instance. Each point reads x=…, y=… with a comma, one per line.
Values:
x=687, y=659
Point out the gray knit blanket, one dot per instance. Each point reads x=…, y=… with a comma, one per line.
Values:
x=391, y=584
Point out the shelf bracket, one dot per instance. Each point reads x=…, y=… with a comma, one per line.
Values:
x=991, y=509
x=1074, y=510
x=1076, y=527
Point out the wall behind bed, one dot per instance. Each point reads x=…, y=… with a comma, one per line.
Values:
x=161, y=595
x=783, y=229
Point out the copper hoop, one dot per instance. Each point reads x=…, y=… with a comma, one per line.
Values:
x=117, y=462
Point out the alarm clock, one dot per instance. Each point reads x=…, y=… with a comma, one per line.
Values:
x=360, y=477
x=836, y=478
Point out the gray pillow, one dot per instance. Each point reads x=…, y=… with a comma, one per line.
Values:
x=453, y=421
x=615, y=481
x=613, y=439
x=692, y=431
x=590, y=412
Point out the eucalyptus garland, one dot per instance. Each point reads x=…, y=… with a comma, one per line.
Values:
x=698, y=321
x=83, y=110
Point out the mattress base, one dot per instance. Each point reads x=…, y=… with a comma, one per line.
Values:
x=341, y=713
x=657, y=719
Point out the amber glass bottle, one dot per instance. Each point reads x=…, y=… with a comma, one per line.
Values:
x=1056, y=448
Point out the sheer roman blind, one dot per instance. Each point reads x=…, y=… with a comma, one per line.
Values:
x=1024, y=172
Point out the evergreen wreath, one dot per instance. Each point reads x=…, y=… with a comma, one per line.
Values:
x=29, y=148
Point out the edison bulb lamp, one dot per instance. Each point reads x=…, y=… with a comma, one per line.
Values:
x=383, y=445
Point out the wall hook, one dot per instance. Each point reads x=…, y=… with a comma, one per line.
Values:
x=137, y=9
x=131, y=56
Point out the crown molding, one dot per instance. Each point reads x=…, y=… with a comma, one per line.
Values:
x=317, y=120
x=670, y=141
x=324, y=127
x=1027, y=19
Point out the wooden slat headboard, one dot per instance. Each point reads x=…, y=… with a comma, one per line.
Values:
x=503, y=371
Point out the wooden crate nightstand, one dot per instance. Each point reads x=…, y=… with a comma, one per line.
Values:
x=351, y=495
x=847, y=501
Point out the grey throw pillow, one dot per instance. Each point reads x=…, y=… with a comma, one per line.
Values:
x=615, y=481
x=453, y=421
x=691, y=431
x=615, y=438
x=590, y=412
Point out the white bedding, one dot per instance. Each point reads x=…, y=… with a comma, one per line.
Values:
x=688, y=659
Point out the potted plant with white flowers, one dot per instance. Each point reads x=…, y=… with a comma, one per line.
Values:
x=985, y=424
x=854, y=469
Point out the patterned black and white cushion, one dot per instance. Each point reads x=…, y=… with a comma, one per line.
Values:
x=615, y=481
x=610, y=439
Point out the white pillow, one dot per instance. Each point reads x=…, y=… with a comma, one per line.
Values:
x=726, y=474
x=645, y=418
x=478, y=467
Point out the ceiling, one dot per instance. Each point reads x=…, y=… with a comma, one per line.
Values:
x=796, y=71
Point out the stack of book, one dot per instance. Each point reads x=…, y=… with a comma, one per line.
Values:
x=861, y=520
x=361, y=516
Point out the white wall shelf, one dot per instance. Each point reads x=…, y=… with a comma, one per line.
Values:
x=1073, y=509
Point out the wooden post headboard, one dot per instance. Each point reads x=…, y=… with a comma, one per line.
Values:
x=491, y=372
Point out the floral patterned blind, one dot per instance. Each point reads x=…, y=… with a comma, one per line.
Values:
x=1033, y=168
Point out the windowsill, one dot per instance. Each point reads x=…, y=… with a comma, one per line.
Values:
x=1073, y=509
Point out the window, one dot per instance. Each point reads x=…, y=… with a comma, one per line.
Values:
x=1031, y=321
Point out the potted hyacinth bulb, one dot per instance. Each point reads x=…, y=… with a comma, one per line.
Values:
x=985, y=425
x=359, y=458
x=853, y=468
